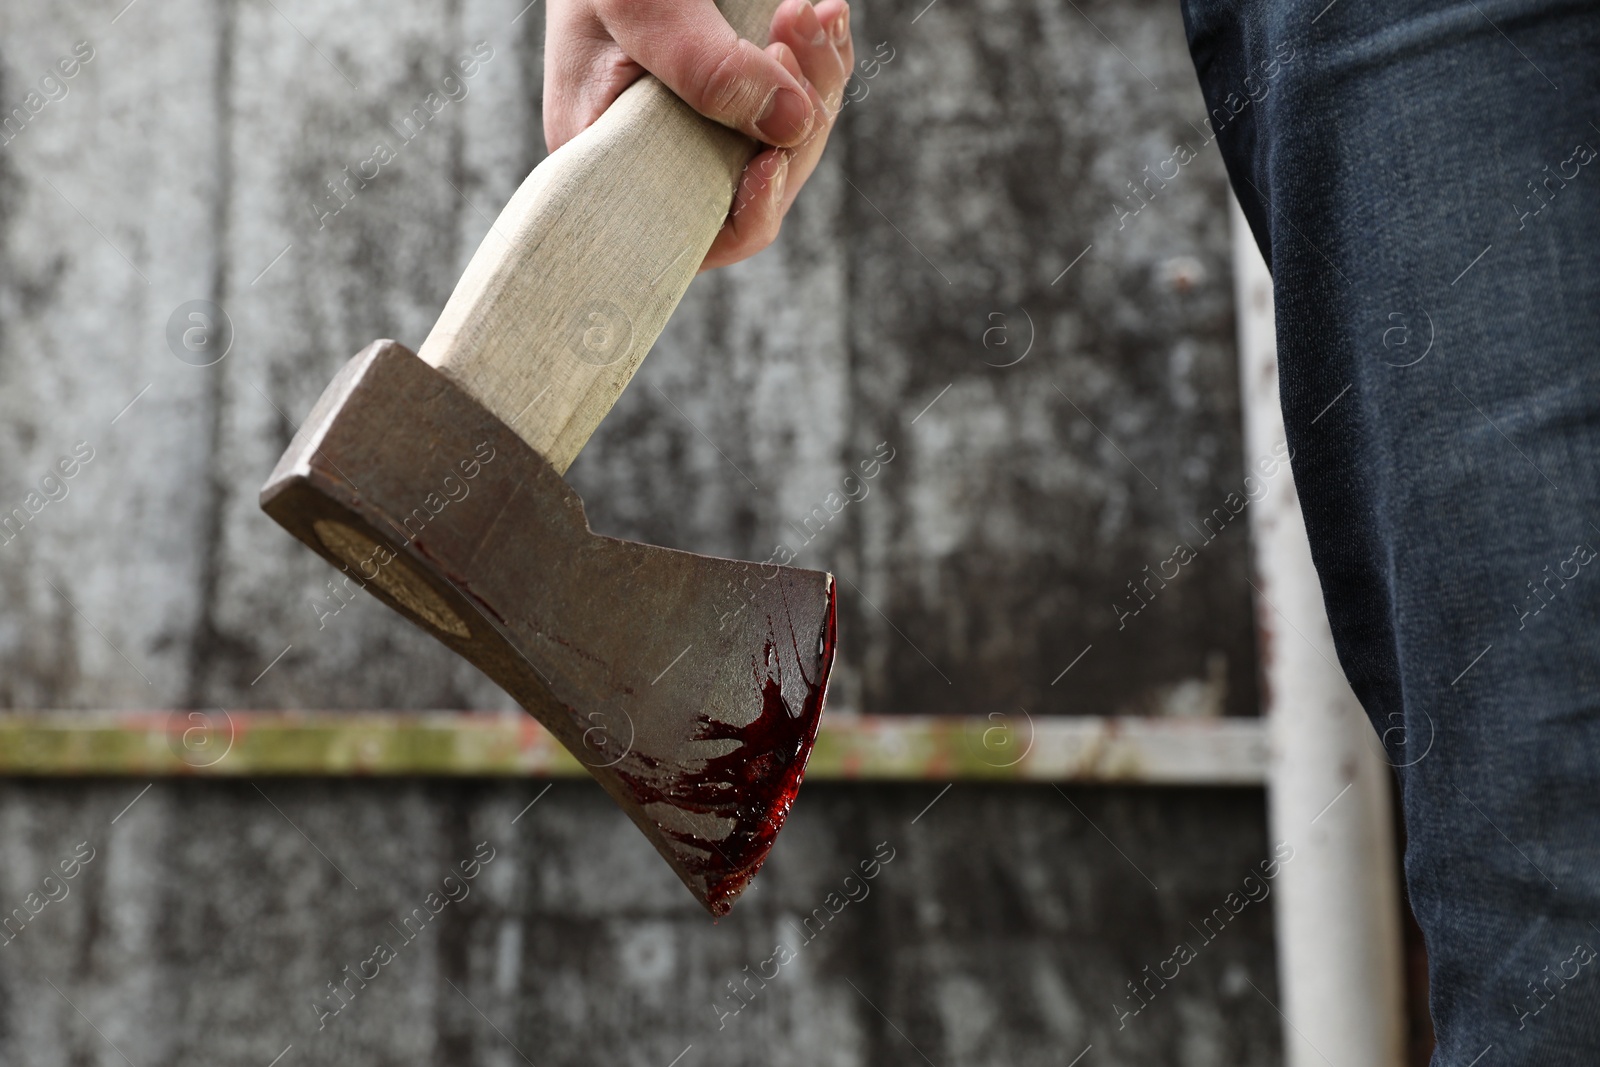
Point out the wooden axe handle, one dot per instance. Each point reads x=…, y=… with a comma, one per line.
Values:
x=582, y=269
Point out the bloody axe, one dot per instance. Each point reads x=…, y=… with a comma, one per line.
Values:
x=691, y=687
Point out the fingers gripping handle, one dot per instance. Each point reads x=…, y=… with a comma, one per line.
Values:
x=582, y=269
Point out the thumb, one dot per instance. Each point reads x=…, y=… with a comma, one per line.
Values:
x=693, y=50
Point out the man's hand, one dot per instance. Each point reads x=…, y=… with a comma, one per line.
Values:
x=785, y=97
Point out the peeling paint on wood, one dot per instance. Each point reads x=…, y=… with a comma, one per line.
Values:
x=1159, y=751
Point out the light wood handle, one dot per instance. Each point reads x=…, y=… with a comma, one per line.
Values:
x=582, y=269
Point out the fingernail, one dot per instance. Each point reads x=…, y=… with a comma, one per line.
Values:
x=780, y=179
x=811, y=26
x=841, y=28
x=786, y=118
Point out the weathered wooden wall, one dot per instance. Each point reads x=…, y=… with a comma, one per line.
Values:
x=1001, y=932
x=987, y=155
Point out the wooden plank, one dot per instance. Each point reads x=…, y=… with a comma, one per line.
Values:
x=1061, y=423
x=107, y=199
x=1002, y=934
x=367, y=258
x=1151, y=751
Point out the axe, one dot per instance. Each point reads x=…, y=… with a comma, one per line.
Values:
x=690, y=686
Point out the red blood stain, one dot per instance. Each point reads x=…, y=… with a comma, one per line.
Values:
x=756, y=783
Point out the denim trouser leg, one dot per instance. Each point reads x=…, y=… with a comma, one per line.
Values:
x=1424, y=178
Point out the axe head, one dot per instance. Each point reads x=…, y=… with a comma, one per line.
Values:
x=690, y=686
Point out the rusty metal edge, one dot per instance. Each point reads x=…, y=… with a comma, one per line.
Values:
x=161, y=743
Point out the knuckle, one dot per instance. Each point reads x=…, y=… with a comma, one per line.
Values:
x=729, y=90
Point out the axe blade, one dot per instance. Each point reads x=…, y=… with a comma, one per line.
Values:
x=691, y=687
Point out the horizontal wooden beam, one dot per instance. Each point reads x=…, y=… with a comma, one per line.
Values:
x=1155, y=751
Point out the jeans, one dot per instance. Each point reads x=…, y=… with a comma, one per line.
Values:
x=1424, y=180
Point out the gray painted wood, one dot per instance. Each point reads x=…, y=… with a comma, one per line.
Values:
x=981, y=161
x=1001, y=932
